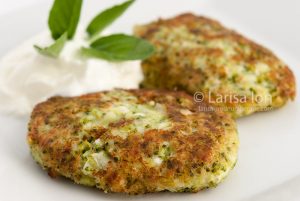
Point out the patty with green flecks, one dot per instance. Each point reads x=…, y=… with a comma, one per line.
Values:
x=198, y=54
x=134, y=141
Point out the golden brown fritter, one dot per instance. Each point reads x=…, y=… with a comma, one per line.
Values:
x=134, y=141
x=197, y=54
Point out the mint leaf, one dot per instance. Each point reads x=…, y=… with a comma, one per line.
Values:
x=119, y=47
x=107, y=17
x=55, y=49
x=64, y=17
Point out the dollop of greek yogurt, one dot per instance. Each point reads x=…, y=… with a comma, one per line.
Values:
x=27, y=77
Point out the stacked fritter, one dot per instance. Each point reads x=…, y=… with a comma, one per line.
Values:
x=197, y=54
x=134, y=141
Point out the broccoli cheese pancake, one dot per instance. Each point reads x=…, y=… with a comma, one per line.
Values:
x=199, y=54
x=133, y=141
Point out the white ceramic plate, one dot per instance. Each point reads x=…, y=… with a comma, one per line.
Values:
x=269, y=152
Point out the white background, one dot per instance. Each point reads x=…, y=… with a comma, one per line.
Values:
x=7, y=6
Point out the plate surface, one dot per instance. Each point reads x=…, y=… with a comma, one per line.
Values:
x=269, y=151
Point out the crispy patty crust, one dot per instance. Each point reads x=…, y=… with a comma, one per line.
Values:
x=197, y=54
x=134, y=141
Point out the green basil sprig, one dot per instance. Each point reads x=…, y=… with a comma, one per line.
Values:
x=106, y=18
x=64, y=17
x=55, y=49
x=119, y=47
x=63, y=21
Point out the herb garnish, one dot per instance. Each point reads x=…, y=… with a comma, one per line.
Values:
x=55, y=49
x=64, y=17
x=119, y=47
x=107, y=17
x=63, y=21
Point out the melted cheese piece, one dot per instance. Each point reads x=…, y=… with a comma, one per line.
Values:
x=143, y=116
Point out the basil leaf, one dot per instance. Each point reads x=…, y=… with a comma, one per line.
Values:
x=55, y=49
x=64, y=17
x=107, y=17
x=119, y=47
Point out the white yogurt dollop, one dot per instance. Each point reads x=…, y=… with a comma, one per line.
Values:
x=27, y=78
